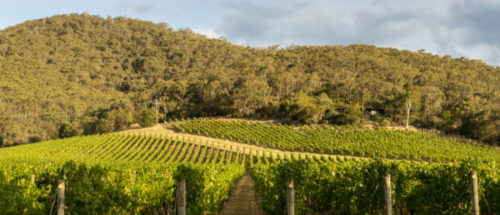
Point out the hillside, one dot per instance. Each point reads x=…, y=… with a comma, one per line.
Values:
x=76, y=74
x=343, y=140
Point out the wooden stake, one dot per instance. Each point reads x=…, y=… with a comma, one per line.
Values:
x=388, y=200
x=33, y=177
x=290, y=198
x=474, y=193
x=61, y=187
x=181, y=196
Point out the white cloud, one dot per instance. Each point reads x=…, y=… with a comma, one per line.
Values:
x=482, y=51
x=209, y=32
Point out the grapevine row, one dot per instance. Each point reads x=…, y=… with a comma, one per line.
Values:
x=127, y=148
x=348, y=186
x=345, y=140
x=117, y=174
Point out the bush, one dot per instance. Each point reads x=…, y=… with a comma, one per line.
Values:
x=308, y=114
x=351, y=116
x=70, y=130
x=303, y=108
x=381, y=120
x=147, y=117
x=116, y=117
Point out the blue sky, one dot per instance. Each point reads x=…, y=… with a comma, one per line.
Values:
x=469, y=28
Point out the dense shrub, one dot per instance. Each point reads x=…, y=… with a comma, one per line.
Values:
x=147, y=117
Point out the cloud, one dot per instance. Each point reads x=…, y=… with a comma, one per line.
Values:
x=209, y=32
x=137, y=8
x=312, y=24
x=458, y=28
x=480, y=21
x=251, y=23
x=469, y=29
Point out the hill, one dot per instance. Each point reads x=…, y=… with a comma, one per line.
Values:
x=68, y=75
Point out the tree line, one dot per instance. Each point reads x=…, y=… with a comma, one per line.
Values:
x=79, y=74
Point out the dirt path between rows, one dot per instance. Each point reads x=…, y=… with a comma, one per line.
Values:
x=243, y=199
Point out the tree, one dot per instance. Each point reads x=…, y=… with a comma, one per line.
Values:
x=116, y=117
x=70, y=129
x=123, y=118
x=481, y=127
x=147, y=117
x=305, y=109
x=174, y=97
x=409, y=100
x=252, y=94
x=105, y=124
x=351, y=116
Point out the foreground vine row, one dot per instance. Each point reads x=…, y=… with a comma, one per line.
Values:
x=117, y=174
x=350, y=186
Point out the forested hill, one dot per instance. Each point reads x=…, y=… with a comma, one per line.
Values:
x=80, y=74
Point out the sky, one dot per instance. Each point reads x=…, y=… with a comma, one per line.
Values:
x=460, y=28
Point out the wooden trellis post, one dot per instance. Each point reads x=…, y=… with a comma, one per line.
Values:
x=474, y=193
x=290, y=198
x=61, y=187
x=387, y=191
x=181, y=196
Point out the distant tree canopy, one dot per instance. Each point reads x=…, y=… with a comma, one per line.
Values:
x=83, y=74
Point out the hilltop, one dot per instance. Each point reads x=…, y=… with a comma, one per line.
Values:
x=69, y=75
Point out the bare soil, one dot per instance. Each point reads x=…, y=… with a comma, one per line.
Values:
x=243, y=199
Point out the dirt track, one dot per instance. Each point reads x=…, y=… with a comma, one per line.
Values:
x=243, y=199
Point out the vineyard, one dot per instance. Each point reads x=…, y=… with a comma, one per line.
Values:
x=344, y=140
x=138, y=173
x=351, y=186
x=117, y=174
x=127, y=149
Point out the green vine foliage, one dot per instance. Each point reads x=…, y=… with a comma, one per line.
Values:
x=116, y=174
x=356, y=187
x=136, y=174
x=18, y=196
x=90, y=189
x=118, y=189
x=346, y=140
x=207, y=185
